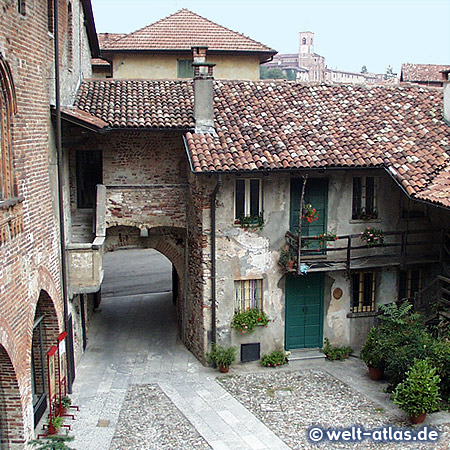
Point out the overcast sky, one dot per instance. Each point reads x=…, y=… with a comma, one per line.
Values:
x=349, y=34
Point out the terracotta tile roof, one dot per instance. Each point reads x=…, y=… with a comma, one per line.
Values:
x=100, y=62
x=422, y=72
x=138, y=103
x=108, y=38
x=280, y=125
x=78, y=115
x=183, y=30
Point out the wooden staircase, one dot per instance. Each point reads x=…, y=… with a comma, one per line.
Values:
x=433, y=301
x=82, y=226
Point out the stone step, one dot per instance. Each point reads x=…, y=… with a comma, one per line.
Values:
x=306, y=353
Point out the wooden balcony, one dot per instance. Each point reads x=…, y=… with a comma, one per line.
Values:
x=349, y=252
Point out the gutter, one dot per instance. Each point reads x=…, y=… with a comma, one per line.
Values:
x=213, y=260
x=59, y=164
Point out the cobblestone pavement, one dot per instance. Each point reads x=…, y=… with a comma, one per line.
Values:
x=292, y=402
x=138, y=388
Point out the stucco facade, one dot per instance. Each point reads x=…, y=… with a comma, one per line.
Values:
x=154, y=66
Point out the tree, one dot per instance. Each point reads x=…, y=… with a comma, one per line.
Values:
x=389, y=75
x=273, y=74
x=363, y=69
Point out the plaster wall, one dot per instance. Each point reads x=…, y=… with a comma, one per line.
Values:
x=245, y=255
x=156, y=66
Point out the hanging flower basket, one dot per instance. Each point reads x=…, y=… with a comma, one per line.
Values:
x=309, y=213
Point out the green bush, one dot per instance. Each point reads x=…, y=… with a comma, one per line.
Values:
x=440, y=358
x=419, y=393
x=222, y=356
x=55, y=442
x=335, y=353
x=247, y=321
x=372, y=352
x=404, y=338
x=274, y=359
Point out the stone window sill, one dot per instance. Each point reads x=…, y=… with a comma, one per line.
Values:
x=352, y=315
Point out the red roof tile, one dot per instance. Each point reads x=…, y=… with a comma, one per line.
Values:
x=184, y=30
x=422, y=72
x=279, y=125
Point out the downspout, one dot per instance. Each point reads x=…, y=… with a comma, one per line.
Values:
x=62, y=234
x=213, y=260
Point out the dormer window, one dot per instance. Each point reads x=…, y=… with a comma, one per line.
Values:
x=21, y=7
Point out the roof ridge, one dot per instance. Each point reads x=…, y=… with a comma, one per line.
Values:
x=184, y=10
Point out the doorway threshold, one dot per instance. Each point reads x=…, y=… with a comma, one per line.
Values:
x=306, y=353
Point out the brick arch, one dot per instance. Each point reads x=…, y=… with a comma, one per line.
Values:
x=11, y=418
x=169, y=241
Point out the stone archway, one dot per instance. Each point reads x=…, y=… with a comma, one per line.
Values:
x=11, y=418
x=169, y=241
x=45, y=334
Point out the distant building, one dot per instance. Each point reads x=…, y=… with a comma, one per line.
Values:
x=425, y=74
x=164, y=50
x=310, y=66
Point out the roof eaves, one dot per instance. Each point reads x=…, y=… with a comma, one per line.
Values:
x=90, y=27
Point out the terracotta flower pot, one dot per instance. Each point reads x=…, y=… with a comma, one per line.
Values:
x=224, y=369
x=419, y=418
x=376, y=373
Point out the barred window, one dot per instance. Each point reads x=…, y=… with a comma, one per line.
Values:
x=410, y=282
x=364, y=198
x=248, y=295
x=363, y=292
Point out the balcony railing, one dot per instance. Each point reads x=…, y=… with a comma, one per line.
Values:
x=85, y=260
x=349, y=252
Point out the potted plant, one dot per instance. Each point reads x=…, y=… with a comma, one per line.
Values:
x=223, y=357
x=287, y=257
x=372, y=355
x=372, y=236
x=247, y=321
x=64, y=404
x=54, y=424
x=419, y=393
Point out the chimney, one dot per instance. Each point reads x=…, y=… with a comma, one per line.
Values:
x=445, y=76
x=203, y=91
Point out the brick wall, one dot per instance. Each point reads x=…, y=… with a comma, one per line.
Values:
x=29, y=248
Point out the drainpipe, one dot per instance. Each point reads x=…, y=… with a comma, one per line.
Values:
x=59, y=165
x=213, y=260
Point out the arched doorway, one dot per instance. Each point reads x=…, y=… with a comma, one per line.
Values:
x=11, y=421
x=45, y=334
x=168, y=247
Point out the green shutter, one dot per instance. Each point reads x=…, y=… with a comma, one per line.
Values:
x=185, y=69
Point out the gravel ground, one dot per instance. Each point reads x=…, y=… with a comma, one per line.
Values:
x=290, y=403
x=149, y=420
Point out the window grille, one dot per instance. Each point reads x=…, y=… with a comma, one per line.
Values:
x=248, y=295
x=363, y=292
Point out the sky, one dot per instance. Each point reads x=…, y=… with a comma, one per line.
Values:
x=349, y=34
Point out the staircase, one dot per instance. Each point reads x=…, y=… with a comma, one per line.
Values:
x=433, y=301
x=82, y=226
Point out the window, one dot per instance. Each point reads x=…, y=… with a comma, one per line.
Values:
x=247, y=200
x=7, y=109
x=304, y=41
x=363, y=292
x=185, y=69
x=410, y=282
x=50, y=16
x=248, y=295
x=21, y=7
x=364, y=198
x=69, y=35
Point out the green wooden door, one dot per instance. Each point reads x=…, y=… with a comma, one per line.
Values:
x=304, y=311
x=316, y=193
